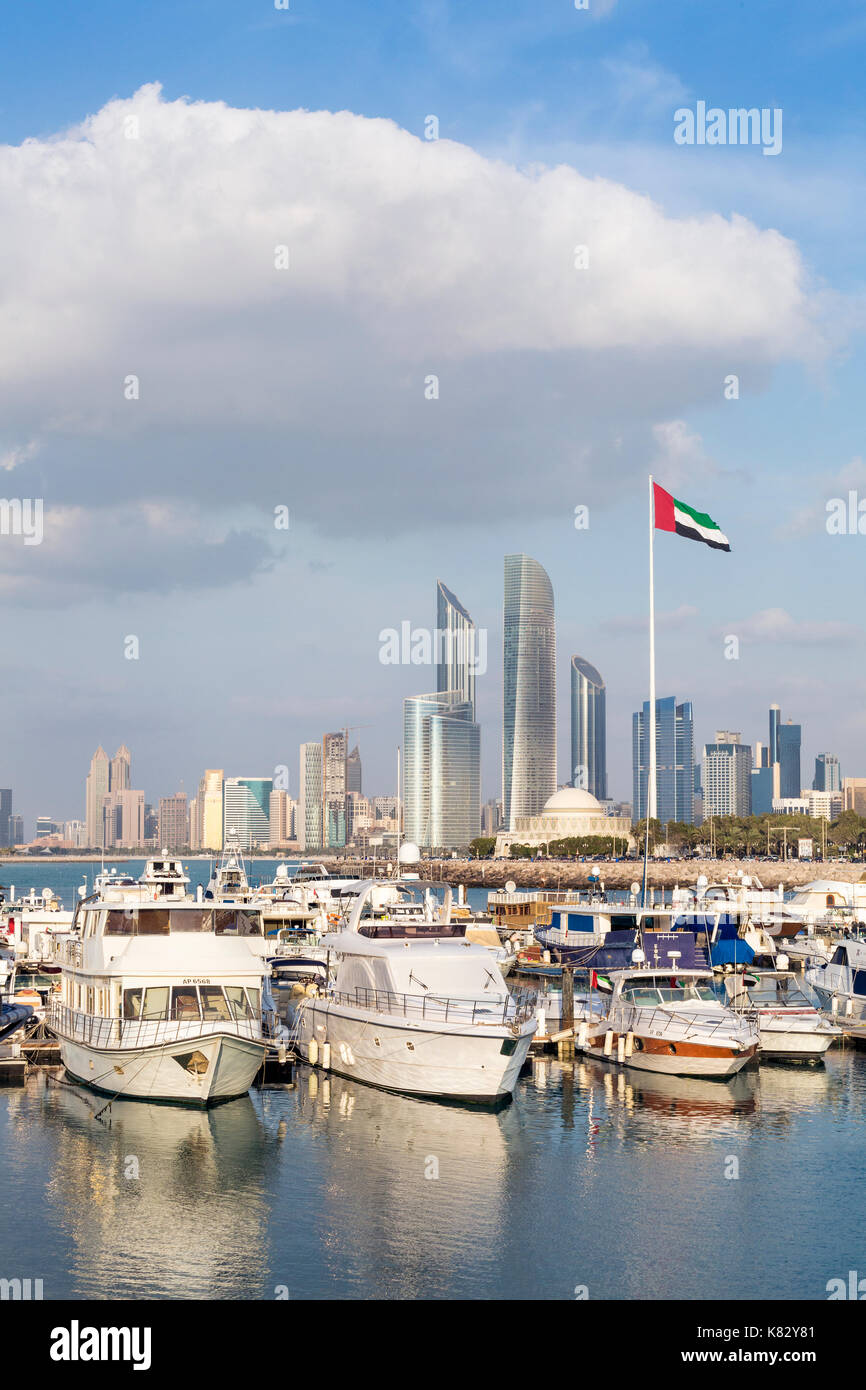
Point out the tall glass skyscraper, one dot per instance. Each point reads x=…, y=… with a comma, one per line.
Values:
x=828, y=774
x=588, y=729
x=789, y=759
x=441, y=770
x=529, y=690
x=334, y=757
x=675, y=761
x=456, y=656
x=246, y=811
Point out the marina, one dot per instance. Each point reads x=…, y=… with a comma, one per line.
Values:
x=631, y=1058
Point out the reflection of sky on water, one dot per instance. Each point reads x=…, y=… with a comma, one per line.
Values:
x=593, y=1176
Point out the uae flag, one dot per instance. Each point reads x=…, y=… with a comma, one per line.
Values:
x=671, y=515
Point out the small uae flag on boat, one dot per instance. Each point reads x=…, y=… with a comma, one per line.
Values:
x=672, y=515
x=600, y=982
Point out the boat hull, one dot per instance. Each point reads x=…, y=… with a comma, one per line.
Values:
x=197, y=1071
x=443, y=1064
x=674, y=1058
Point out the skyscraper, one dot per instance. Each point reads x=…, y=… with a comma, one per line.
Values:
x=789, y=759
x=675, y=761
x=120, y=774
x=441, y=768
x=309, y=828
x=456, y=655
x=246, y=813
x=726, y=776
x=6, y=817
x=455, y=745
x=98, y=787
x=206, y=822
x=173, y=826
x=529, y=690
x=588, y=729
x=353, y=771
x=334, y=820
x=828, y=773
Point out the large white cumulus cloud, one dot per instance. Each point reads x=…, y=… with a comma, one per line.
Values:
x=155, y=255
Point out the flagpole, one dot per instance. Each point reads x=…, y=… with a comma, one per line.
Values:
x=650, y=807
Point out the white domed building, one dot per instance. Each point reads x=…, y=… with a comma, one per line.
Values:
x=570, y=812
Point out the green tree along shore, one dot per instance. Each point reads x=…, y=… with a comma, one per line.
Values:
x=731, y=837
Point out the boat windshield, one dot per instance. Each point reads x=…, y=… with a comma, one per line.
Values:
x=778, y=994
x=181, y=1002
x=673, y=991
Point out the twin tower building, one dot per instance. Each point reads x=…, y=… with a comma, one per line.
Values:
x=442, y=739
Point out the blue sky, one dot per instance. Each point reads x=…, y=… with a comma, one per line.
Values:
x=165, y=528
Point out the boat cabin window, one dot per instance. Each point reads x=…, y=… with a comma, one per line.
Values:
x=213, y=1002
x=238, y=1002
x=132, y=1003
x=155, y=1002
x=840, y=956
x=184, y=1002
x=159, y=921
x=622, y=921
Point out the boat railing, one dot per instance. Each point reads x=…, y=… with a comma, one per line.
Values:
x=92, y=1030
x=661, y=1021
x=514, y=1009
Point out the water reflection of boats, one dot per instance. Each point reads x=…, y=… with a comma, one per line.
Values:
x=684, y=1097
x=406, y=1184
x=162, y=1201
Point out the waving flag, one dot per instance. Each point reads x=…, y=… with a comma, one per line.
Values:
x=671, y=515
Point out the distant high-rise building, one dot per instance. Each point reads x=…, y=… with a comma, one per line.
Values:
x=123, y=819
x=854, y=794
x=173, y=821
x=98, y=787
x=790, y=783
x=675, y=761
x=727, y=776
x=334, y=754
x=775, y=725
x=441, y=767
x=74, y=832
x=121, y=770
x=529, y=690
x=16, y=830
x=246, y=811
x=457, y=659
x=206, y=814
x=354, y=771
x=5, y=817
x=456, y=655
x=281, y=818
x=47, y=825
x=828, y=773
x=491, y=817
x=309, y=830
x=588, y=729
x=385, y=807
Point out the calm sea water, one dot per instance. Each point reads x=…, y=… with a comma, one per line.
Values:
x=592, y=1177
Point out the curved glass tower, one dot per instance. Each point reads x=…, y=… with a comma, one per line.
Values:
x=529, y=690
x=588, y=729
x=456, y=656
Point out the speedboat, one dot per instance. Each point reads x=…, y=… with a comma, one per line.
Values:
x=790, y=1026
x=161, y=1000
x=413, y=1006
x=663, y=1015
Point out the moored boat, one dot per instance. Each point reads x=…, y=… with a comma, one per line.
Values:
x=790, y=1026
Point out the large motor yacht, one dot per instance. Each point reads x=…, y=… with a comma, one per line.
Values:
x=413, y=1006
x=161, y=998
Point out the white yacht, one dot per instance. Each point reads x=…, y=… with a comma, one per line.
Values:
x=228, y=882
x=413, y=1006
x=30, y=924
x=840, y=984
x=790, y=1026
x=161, y=999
